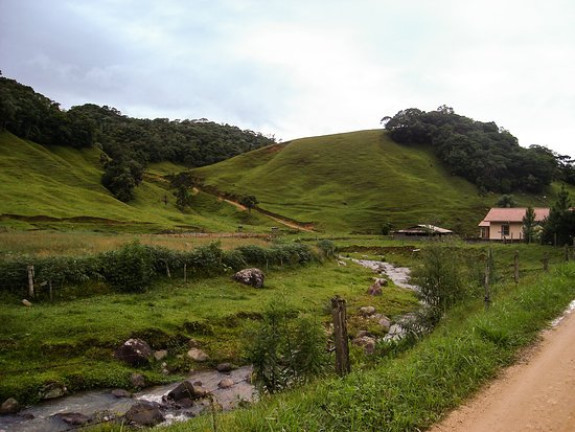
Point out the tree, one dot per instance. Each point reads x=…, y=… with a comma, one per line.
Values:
x=183, y=197
x=559, y=227
x=249, y=202
x=529, y=224
x=506, y=201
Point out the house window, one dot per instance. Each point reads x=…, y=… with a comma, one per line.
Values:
x=505, y=230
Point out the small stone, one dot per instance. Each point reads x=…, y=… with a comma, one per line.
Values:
x=225, y=367
x=9, y=406
x=385, y=324
x=226, y=383
x=368, y=343
x=26, y=303
x=160, y=354
x=138, y=380
x=121, y=393
x=366, y=310
x=73, y=418
x=53, y=391
x=197, y=355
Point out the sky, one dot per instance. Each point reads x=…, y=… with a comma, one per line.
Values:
x=298, y=68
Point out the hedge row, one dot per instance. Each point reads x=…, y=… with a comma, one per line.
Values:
x=133, y=267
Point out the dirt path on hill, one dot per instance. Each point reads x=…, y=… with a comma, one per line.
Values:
x=537, y=394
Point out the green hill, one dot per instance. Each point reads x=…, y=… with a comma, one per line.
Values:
x=59, y=187
x=346, y=183
x=354, y=182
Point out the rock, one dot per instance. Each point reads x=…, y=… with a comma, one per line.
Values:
x=160, y=354
x=186, y=390
x=341, y=263
x=134, y=352
x=225, y=367
x=73, y=418
x=375, y=289
x=121, y=393
x=138, y=380
x=368, y=344
x=226, y=383
x=362, y=333
x=197, y=355
x=9, y=406
x=192, y=343
x=252, y=276
x=144, y=414
x=382, y=281
x=26, y=303
x=366, y=310
x=385, y=324
x=53, y=391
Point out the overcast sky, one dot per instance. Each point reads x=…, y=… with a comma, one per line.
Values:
x=298, y=68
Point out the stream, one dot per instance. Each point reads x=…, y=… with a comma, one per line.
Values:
x=102, y=405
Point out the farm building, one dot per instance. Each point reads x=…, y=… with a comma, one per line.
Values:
x=506, y=224
x=423, y=231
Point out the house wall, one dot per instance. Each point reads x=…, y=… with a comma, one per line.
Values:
x=515, y=231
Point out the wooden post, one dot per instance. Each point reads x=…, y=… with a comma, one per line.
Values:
x=487, y=298
x=168, y=273
x=50, y=290
x=567, y=253
x=342, y=365
x=516, y=265
x=185, y=273
x=30, y=270
x=545, y=261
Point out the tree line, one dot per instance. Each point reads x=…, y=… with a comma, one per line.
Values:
x=482, y=152
x=129, y=143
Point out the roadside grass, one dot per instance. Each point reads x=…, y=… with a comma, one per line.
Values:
x=72, y=341
x=415, y=389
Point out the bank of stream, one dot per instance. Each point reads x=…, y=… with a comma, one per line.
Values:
x=104, y=405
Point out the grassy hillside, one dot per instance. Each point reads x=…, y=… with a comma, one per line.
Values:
x=353, y=182
x=60, y=187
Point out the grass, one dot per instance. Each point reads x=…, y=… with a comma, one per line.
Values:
x=72, y=342
x=414, y=390
x=59, y=187
x=355, y=182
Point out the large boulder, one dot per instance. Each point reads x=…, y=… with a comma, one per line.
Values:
x=134, y=352
x=186, y=390
x=144, y=413
x=253, y=277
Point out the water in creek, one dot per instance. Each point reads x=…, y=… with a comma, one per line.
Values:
x=102, y=404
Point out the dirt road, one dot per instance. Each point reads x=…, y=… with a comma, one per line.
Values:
x=537, y=394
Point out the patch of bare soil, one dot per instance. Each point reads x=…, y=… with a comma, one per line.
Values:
x=536, y=394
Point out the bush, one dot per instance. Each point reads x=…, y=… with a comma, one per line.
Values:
x=129, y=269
x=286, y=350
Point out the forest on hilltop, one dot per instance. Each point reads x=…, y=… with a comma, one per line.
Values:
x=481, y=152
x=129, y=143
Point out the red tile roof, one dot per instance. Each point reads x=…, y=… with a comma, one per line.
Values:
x=513, y=214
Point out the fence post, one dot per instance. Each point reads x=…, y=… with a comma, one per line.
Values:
x=342, y=366
x=185, y=273
x=30, y=270
x=487, y=298
x=567, y=253
x=516, y=264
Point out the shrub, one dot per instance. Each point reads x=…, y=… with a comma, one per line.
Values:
x=286, y=350
x=129, y=269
